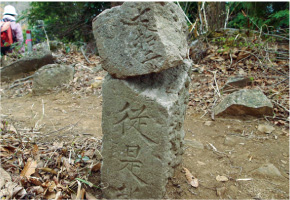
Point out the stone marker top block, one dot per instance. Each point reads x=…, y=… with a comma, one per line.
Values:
x=139, y=38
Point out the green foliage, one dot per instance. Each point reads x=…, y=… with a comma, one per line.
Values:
x=268, y=15
x=190, y=9
x=82, y=158
x=278, y=19
x=67, y=21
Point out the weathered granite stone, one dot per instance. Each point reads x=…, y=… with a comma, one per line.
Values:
x=142, y=125
x=50, y=76
x=139, y=38
x=245, y=102
x=30, y=62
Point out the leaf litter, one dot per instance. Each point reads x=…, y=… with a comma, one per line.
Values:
x=46, y=170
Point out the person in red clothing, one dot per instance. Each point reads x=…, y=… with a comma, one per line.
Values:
x=9, y=14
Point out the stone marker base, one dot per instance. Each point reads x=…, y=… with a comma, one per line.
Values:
x=143, y=132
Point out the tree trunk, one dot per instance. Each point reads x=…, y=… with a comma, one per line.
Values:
x=216, y=15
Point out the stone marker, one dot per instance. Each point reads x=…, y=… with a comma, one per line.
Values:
x=141, y=38
x=245, y=102
x=50, y=76
x=143, y=47
x=143, y=132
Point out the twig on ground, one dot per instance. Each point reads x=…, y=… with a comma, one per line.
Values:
x=41, y=118
x=281, y=106
x=85, y=55
x=217, y=87
x=17, y=84
x=68, y=126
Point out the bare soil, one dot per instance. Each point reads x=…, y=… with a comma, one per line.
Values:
x=230, y=147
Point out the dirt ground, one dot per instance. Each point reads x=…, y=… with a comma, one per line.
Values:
x=230, y=147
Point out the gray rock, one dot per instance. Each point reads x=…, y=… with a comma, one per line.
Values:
x=30, y=62
x=139, y=38
x=235, y=83
x=245, y=102
x=50, y=76
x=233, y=140
x=268, y=170
x=194, y=143
x=54, y=45
x=265, y=128
x=40, y=47
x=142, y=123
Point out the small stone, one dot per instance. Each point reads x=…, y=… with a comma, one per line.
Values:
x=284, y=162
x=236, y=83
x=200, y=163
x=208, y=123
x=96, y=84
x=221, y=191
x=221, y=178
x=268, y=170
x=232, y=140
x=194, y=143
x=265, y=128
x=89, y=90
x=245, y=102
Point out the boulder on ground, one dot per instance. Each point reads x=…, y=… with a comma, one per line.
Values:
x=30, y=62
x=50, y=76
x=139, y=38
x=245, y=102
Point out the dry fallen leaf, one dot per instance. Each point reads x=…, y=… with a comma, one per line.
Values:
x=36, y=190
x=50, y=185
x=35, y=181
x=29, y=168
x=96, y=167
x=5, y=177
x=190, y=178
x=46, y=169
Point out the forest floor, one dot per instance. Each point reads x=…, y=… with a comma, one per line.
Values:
x=60, y=133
